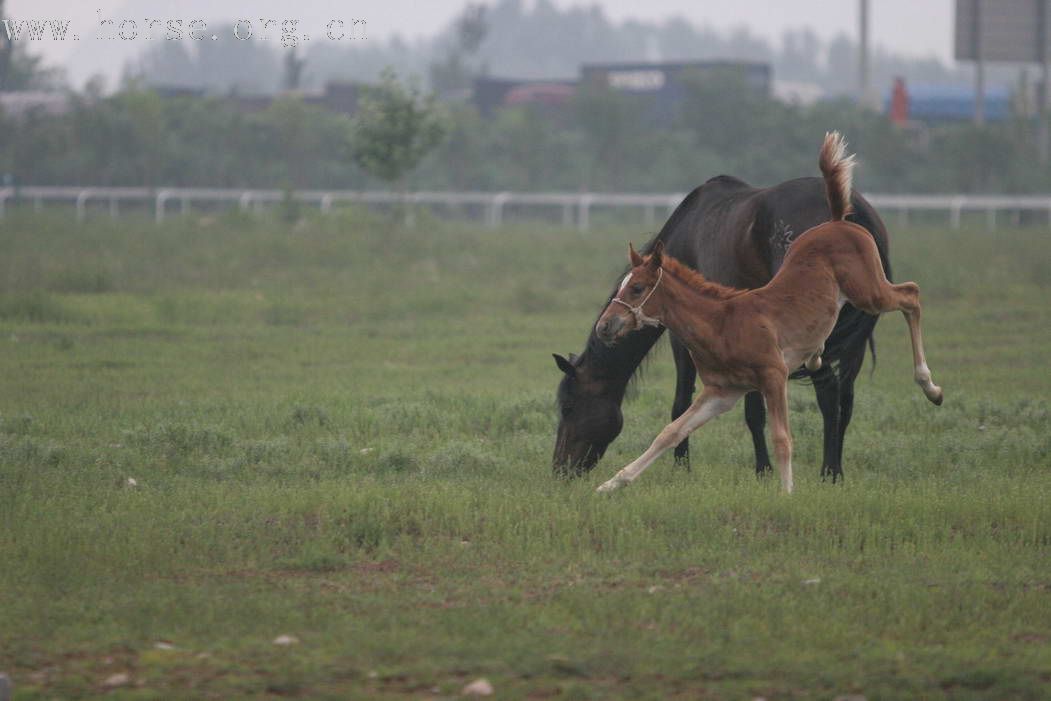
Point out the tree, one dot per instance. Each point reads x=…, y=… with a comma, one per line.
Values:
x=293, y=70
x=611, y=122
x=20, y=70
x=396, y=126
x=453, y=75
x=5, y=54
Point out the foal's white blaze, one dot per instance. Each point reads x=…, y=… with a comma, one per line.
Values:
x=624, y=283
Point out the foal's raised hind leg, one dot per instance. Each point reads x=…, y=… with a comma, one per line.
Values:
x=906, y=299
x=910, y=307
x=707, y=406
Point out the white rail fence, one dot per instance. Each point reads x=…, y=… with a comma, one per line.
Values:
x=575, y=208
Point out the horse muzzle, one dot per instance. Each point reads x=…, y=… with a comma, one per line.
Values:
x=609, y=328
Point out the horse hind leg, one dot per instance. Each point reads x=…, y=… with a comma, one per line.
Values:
x=906, y=299
x=910, y=307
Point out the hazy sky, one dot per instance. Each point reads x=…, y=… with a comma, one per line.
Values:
x=912, y=27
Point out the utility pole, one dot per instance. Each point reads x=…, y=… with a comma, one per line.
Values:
x=1043, y=115
x=6, y=49
x=864, y=85
x=979, y=67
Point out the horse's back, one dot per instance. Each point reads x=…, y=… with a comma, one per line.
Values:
x=738, y=235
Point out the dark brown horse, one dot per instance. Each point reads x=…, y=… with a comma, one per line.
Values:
x=736, y=235
x=749, y=340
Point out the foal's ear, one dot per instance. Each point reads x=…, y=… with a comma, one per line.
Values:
x=564, y=365
x=635, y=258
x=657, y=254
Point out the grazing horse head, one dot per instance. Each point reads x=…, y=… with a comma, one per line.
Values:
x=589, y=396
x=627, y=311
x=589, y=417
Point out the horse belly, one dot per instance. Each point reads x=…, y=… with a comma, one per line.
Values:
x=809, y=335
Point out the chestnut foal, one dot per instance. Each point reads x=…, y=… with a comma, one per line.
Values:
x=742, y=340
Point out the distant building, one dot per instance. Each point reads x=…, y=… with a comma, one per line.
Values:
x=177, y=91
x=665, y=85
x=338, y=97
x=793, y=92
x=661, y=86
x=490, y=94
x=943, y=103
x=28, y=102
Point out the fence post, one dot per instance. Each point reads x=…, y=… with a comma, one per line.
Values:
x=955, y=208
x=990, y=219
x=584, y=212
x=326, y=203
x=567, y=214
x=245, y=200
x=409, y=203
x=82, y=199
x=3, y=203
x=496, y=209
x=158, y=206
x=113, y=207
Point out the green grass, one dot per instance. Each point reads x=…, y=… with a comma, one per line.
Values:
x=341, y=430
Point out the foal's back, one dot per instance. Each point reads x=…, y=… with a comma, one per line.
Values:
x=841, y=253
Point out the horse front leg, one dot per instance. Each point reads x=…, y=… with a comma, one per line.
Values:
x=775, y=392
x=827, y=388
x=755, y=419
x=706, y=407
x=685, y=383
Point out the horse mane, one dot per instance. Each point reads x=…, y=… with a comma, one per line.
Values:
x=598, y=352
x=697, y=282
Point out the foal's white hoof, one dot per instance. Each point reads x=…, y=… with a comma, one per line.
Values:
x=611, y=485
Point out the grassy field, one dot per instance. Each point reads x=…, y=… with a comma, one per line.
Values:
x=340, y=430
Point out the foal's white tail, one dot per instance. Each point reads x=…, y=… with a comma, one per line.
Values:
x=838, y=169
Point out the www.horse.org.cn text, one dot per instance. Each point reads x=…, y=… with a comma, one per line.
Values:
x=289, y=33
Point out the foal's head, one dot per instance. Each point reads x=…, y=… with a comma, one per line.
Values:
x=631, y=307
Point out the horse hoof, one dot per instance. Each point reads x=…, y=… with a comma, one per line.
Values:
x=937, y=396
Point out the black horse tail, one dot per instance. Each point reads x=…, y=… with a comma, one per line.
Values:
x=838, y=169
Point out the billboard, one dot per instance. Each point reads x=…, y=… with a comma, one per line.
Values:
x=1003, y=30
